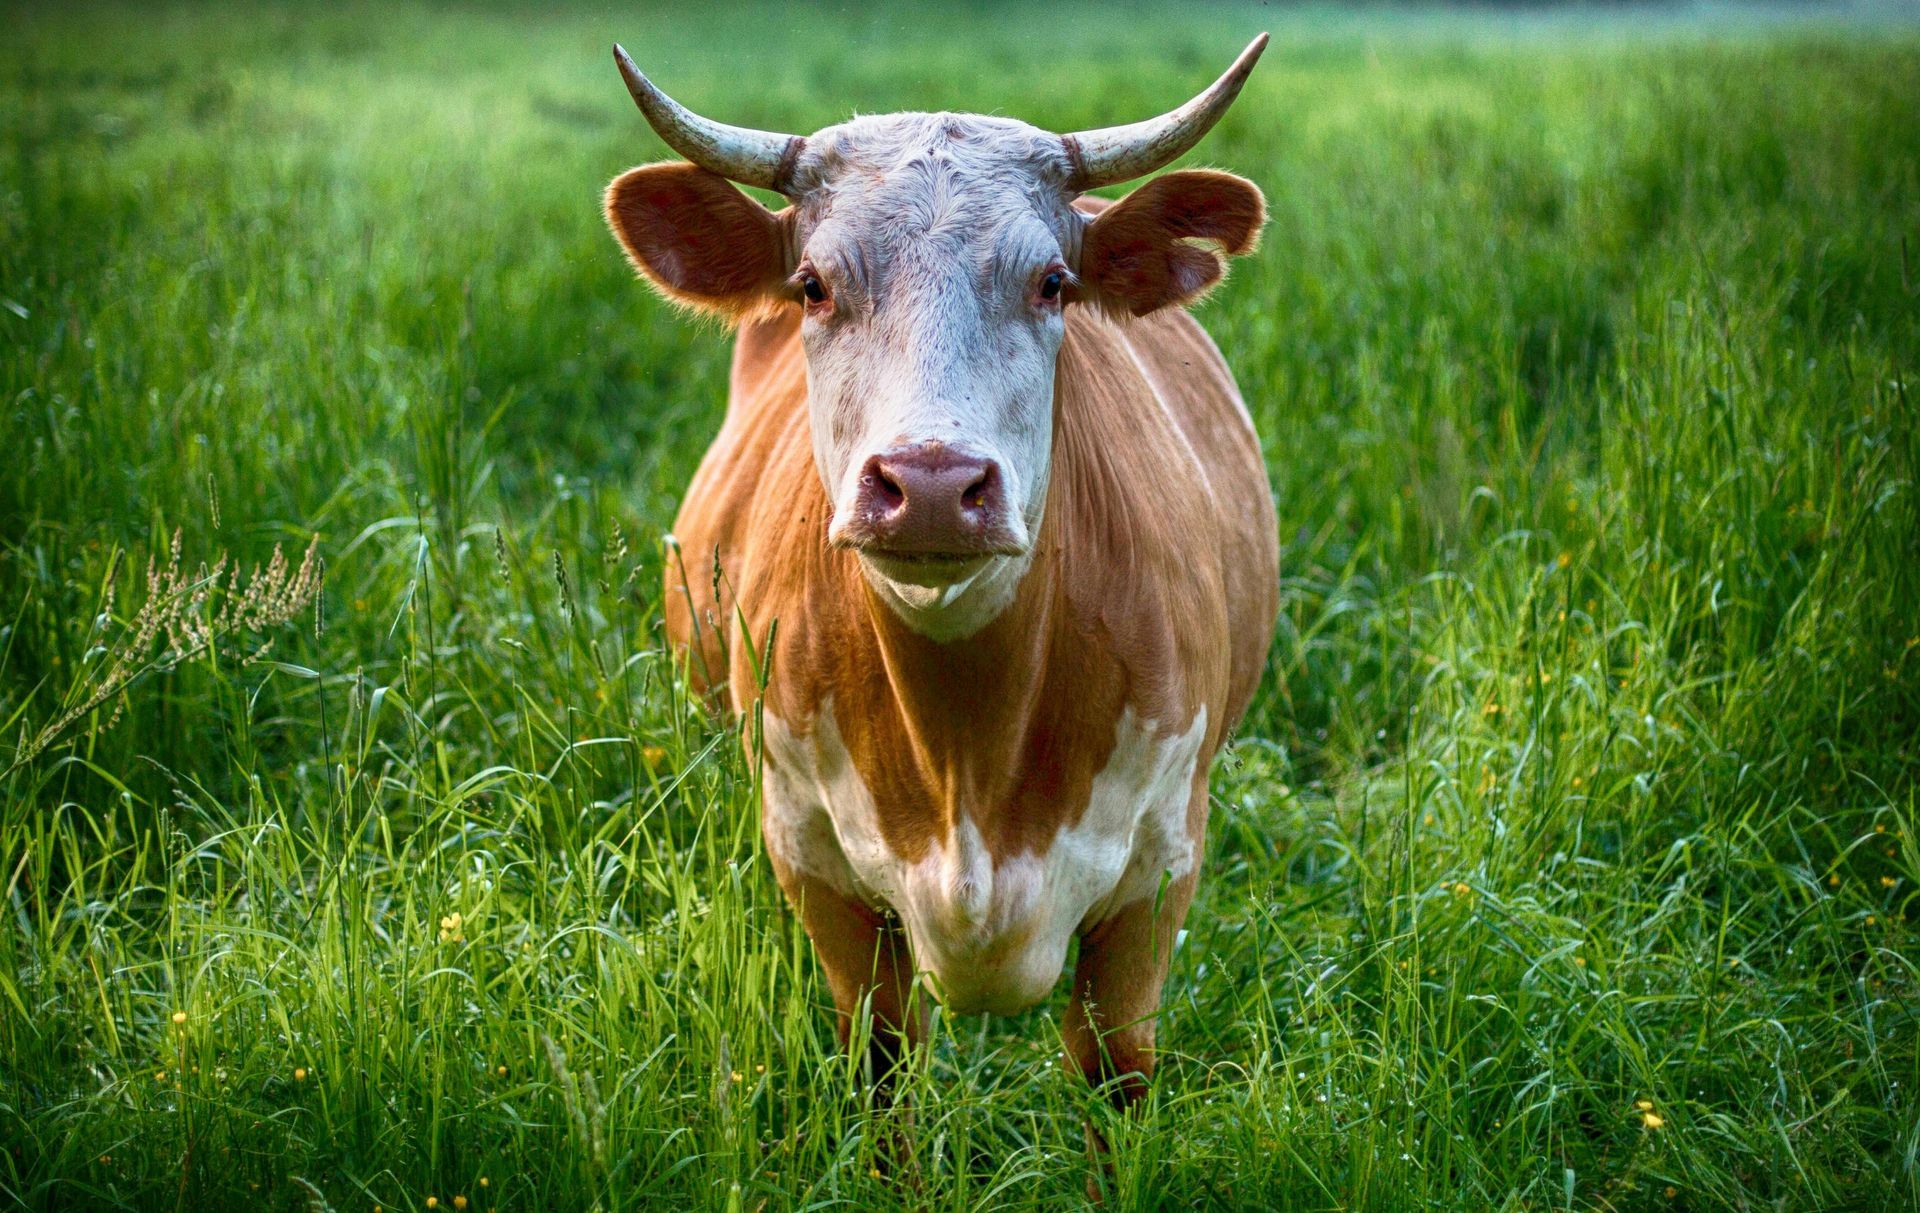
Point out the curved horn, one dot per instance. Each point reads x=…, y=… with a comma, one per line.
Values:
x=1121, y=153
x=750, y=157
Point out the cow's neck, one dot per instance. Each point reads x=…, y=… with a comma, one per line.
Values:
x=991, y=663
x=968, y=709
x=1005, y=722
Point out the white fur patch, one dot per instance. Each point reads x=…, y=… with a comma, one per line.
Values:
x=988, y=937
x=930, y=231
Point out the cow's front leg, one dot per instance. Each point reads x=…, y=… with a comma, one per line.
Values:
x=1123, y=962
x=866, y=960
x=1109, y=1030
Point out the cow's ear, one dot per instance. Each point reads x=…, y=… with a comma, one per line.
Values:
x=700, y=241
x=1163, y=244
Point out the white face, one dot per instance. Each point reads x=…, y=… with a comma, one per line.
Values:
x=933, y=255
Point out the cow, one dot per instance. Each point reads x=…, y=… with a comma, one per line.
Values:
x=984, y=552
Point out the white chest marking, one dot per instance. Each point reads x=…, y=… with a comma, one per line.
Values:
x=986, y=936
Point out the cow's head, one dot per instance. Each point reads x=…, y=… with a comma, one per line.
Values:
x=931, y=257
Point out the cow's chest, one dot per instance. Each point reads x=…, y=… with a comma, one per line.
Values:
x=989, y=933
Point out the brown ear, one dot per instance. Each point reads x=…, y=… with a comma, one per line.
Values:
x=700, y=241
x=1144, y=252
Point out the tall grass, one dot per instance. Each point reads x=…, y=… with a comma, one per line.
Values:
x=1565, y=861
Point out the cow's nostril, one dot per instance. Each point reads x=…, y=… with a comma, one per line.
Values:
x=885, y=491
x=975, y=495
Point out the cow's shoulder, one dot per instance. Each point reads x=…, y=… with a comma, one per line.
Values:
x=1167, y=522
x=761, y=451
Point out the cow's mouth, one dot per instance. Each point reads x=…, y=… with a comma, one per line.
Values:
x=925, y=568
x=932, y=559
x=987, y=546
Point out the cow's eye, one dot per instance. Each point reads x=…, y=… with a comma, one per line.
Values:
x=814, y=289
x=1051, y=284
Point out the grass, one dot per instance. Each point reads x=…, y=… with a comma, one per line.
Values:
x=1567, y=858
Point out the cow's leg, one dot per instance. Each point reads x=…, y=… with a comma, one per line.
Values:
x=1109, y=1030
x=866, y=960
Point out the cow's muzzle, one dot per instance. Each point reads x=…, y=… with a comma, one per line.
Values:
x=929, y=508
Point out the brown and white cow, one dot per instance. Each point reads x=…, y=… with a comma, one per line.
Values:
x=1006, y=504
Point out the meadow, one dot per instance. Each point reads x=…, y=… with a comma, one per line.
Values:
x=1567, y=859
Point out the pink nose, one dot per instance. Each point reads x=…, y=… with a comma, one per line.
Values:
x=930, y=500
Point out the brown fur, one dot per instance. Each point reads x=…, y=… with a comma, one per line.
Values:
x=1154, y=586
x=1140, y=254
x=700, y=241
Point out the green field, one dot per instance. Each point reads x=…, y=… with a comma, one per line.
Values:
x=1567, y=858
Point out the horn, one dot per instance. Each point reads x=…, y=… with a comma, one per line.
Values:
x=750, y=157
x=1121, y=153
